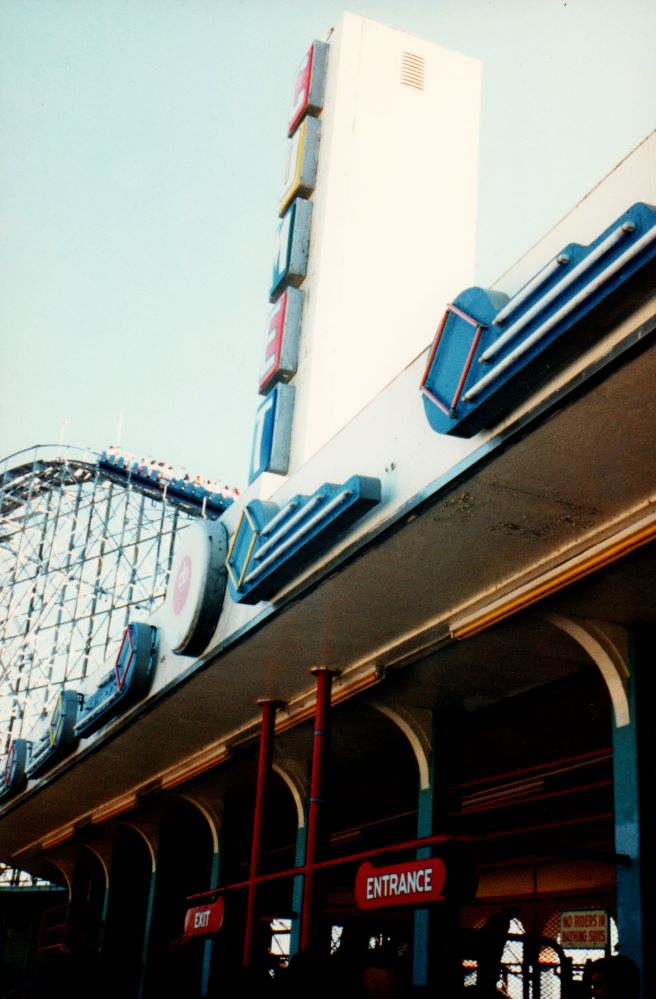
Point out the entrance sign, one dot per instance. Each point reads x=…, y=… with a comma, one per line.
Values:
x=584, y=929
x=491, y=352
x=309, y=85
x=203, y=920
x=416, y=882
x=271, y=546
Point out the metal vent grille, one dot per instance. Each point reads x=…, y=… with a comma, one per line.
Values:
x=412, y=70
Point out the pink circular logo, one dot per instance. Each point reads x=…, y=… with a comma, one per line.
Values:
x=181, y=585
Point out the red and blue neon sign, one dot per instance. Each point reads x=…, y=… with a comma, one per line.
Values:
x=490, y=351
x=272, y=433
x=273, y=422
x=301, y=172
x=271, y=544
x=309, y=85
x=283, y=331
x=291, y=248
x=13, y=777
x=130, y=678
x=59, y=736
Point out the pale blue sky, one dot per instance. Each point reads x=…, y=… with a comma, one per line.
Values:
x=142, y=145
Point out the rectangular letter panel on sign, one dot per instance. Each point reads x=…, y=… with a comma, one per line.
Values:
x=272, y=434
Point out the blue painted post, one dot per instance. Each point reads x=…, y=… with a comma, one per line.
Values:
x=103, y=919
x=633, y=754
x=435, y=962
x=297, y=891
x=209, y=943
x=147, y=929
x=421, y=948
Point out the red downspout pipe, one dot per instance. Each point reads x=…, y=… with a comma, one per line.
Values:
x=320, y=747
x=263, y=775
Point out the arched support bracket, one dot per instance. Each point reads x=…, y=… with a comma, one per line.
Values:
x=211, y=810
x=291, y=774
x=149, y=833
x=608, y=646
x=416, y=725
x=62, y=862
x=103, y=854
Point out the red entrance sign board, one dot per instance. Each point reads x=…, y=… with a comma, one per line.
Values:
x=204, y=919
x=417, y=882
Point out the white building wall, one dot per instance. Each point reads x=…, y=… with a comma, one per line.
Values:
x=632, y=179
x=393, y=229
x=391, y=438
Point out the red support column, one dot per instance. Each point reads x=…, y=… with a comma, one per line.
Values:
x=263, y=775
x=317, y=782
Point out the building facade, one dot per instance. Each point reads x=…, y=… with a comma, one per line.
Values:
x=394, y=705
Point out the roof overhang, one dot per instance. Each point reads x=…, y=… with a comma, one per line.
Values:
x=563, y=491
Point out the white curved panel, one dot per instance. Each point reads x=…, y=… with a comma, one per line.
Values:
x=196, y=587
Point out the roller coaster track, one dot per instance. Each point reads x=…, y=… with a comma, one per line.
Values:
x=85, y=545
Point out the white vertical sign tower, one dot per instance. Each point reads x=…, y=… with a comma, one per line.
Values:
x=393, y=221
